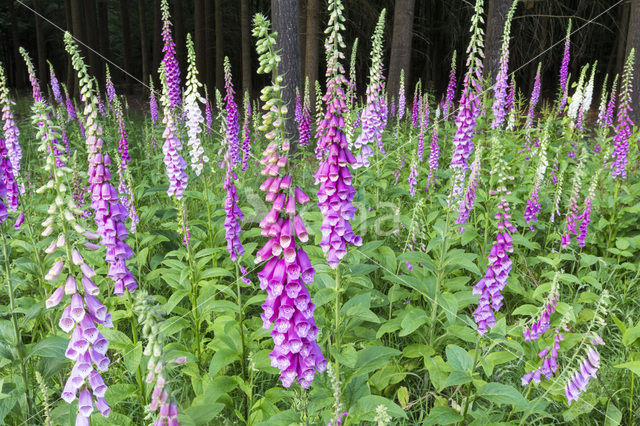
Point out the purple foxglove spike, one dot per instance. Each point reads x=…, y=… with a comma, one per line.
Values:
x=55, y=298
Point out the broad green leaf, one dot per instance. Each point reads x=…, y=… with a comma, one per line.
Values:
x=442, y=416
x=633, y=366
x=458, y=358
x=499, y=393
x=49, y=347
x=412, y=320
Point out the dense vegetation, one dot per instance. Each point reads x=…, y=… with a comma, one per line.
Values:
x=454, y=260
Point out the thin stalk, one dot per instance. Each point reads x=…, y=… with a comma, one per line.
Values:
x=14, y=321
x=134, y=332
x=337, y=320
x=475, y=361
x=613, y=214
x=244, y=348
x=439, y=277
x=631, y=398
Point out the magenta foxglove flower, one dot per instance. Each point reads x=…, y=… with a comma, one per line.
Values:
x=8, y=186
x=447, y=102
x=500, y=88
x=549, y=362
x=625, y=124
x=297, y=115
x=170, y=63
x=467, y=203
x=246, y=131
x=55, y=85
x=153, y=104
x=207, y=112
x=11, y=133
x=434, y=156
x=304, y=125
x=564, y=70
x=335, y=194
x=580, y=379
x=232, y=117
x=413, y=177
x=495, y=279
x=71, y=111
x=417, y=107
x=535, y=96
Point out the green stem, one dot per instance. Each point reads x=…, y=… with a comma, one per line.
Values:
x=134, y=332
x=613, y=215
x=244, y=349
x=439, y=277
x=475, y=361
x=631, y=398
x=337, y=321
x=14, y=320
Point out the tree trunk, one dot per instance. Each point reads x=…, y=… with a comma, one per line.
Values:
x=285, y=23
x=400, y=45
x=219, y=69
x=312, y=48
x=157, y=40
x=91, y=38
x=200, y=43
x=126, y=42
x=144, y=54
x=496, y=18
x=210, y=30
x=245, y=35
x=622, y=36
x=18, y=73
x=103, y=25
x=180, y=37
x=77, y=21
x=42, y=65
x=633, y=42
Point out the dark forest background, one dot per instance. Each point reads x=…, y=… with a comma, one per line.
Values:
x=423, y=33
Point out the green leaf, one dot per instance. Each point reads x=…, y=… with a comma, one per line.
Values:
x=458, y=358
x=372, y=358
x=412, y=320
x=369, y=404
x=457, y=378
x=403, y=396
x=132, y=357
x=613, y=417
x=442, y=416
x=49, y=347
x=630, y=336
x=221, y=359
x=498, y=393
x=633, y=366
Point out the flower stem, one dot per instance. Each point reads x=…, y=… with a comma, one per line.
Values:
x=14, y=321
x=244, y=347
x=475, y=361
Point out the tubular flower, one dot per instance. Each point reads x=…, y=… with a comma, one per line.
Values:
x=207, y=112
x=573, y=204
x=543, y=318
x=499, y=265
x=424, y=123
x=434, y=156
x=194, y=114
x=417, y=106
x=37, y=97
x=153, y=103
x=447, y=102
x=71, y=111
x=558, y=195
x=232, y=117
x=246, y=132
x=576, y=99
x=549, y=362
x=297, y=114
x=55, y=84
x=335, y=194
x=587, y=98
x=469, y=109
x=373, y=116
x=87, y=347
x=564, y=70
x=535, y=97
x=501, y=86
x=466, y=205
x=11, y=131
x=585, y=216
x=288, y=306
x=413, y=176
x=111, y=90
x=607, y=120
x=169, y=61
x=125, y=188
x=399, y=171
x=8, y=186
x=304, y=125
x=109, y=213
x=623, y=129
x=533, y=203
x=402, y=97
x=578, y=382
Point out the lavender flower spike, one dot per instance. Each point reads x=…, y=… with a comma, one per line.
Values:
x=501, y=86
x=11, y=131
x=169, y=62
x=564, y=70
x=335, y=194
x=374, y=114
x=623, y=129
x=447, y=102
